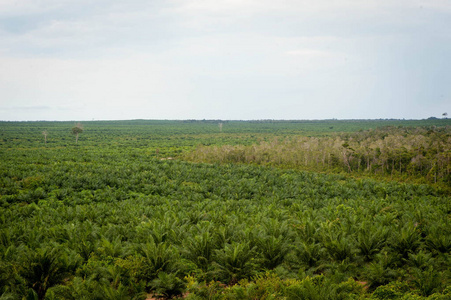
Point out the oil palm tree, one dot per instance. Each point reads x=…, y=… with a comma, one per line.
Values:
x=46, y=267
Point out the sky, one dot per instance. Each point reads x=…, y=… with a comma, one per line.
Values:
x=224, y=59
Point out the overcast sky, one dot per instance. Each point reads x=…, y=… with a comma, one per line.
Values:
x=224, y=59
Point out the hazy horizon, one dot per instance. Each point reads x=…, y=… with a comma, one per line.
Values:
x=231, y=120
x=224, y=60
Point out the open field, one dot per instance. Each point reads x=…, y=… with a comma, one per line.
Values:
x=183, y=208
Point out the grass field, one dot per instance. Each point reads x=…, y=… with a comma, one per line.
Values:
x=332, y=209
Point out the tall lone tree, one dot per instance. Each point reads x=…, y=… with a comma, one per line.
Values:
x=45, y=133
x=76, y=130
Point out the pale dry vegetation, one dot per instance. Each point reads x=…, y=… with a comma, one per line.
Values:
x=423, y=154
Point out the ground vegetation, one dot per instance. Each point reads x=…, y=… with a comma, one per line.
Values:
x=113, y=218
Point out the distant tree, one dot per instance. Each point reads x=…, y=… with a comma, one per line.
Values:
x=45, y=133
x=76, y=130
x=220, y=127
x=445, y=114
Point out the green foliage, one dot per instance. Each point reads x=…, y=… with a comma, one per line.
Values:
x=393, y=290
x=427, y=280
x=168, y=285
x=371, y=240
x=439, y=239
x=156, y=258
x=236, y=261
x=46, y=267
x=383, y=270
x=273, y=249
x=406, y=241
x=269, y=286
x=115, y=219
x=200, y=249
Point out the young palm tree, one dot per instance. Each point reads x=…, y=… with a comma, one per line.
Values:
x=200, y=249
x=309, y=253
x=371, y=240
x=236, y=261
x=439, y=239
x=168, y=285
x=428, y=280
x=382, y=270
x=273, y=249
x=157, y=258
x=45, y=268
x=406, y=241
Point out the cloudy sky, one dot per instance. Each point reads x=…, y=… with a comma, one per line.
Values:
x=224, y=59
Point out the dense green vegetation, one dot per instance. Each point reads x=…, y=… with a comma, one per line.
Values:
x=111, y=217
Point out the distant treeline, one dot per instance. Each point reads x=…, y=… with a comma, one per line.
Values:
x=422, y=153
